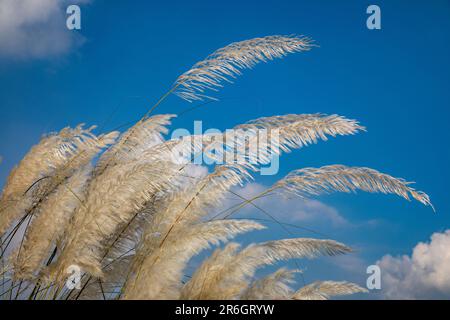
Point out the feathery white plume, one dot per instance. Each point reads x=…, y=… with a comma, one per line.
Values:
x=132, y=143
x=323, y=290
x=181, y=211
x=48, y=224
x=269, y=136
x=47, y=164
x=276, y=286
x=160, y=274
x=227, y=63
x=256, y=142
x=228, y=273
x=315, y=181
x=113, y=199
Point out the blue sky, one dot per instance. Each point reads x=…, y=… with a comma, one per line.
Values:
x=394, y=81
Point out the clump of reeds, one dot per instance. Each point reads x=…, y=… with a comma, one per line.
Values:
x=132, y=219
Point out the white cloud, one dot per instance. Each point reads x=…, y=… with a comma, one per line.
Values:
x=35, y=29
x=426, y=274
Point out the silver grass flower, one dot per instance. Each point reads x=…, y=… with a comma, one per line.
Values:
x=227, y=273
x=338, y=178
x=323, y=290
x=53, y=216
x=227, y=63
x=275, y=286
x=112, y=200
x=46, y=166
x=160, y=275
x=132, y=143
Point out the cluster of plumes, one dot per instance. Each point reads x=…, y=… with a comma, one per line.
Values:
x=46, y=167
x=134, y=218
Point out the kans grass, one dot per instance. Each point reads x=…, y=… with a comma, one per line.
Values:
x=119, y=207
